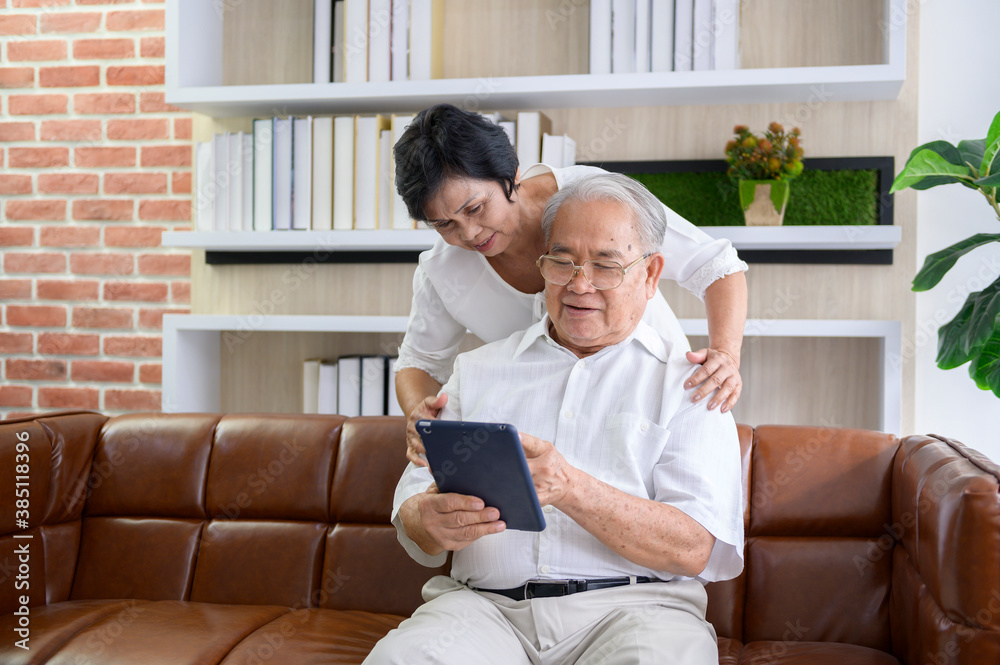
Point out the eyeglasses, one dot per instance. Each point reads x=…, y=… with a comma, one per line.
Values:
x=602, y=275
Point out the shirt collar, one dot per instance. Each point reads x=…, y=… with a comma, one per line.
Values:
x=644, y=334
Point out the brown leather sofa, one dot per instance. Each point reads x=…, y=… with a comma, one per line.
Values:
x=249, y=539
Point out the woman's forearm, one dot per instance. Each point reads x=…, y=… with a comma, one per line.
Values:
x=413, y=386
x=726, y=308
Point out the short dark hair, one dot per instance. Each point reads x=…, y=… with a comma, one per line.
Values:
x=445, y=141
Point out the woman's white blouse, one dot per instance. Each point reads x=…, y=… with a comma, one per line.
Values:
x=456, y=289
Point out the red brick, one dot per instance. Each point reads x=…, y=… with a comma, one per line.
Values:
x=37, y=104
x=135, y=75
x=105, y=2
x=133, y=400
x=135, y=183
x=68, y=289
x=141, y=19
x=16, y=395
x=135, y=130
x=165, y=264
x=37, y=158
x=69, y=77
x=135, y=291
x=93, y=49
x=83, y=263
x=36, y=370
x=15, y=289
x=67, y=397
x=133, y=236
x=71, y=130
x=104, y=210
x=134, y=345
x=180, y=291
x=76, y=344
x=151, y=47
x=15, y=184
x=165, y=210
x=36, y=315
x=102, y=370
x=166, y=155
x=13, y=236
x=70, y=236
x=15, y=342
x=68, y=183
x=17, y=131
x=102, y=317
x=104, y=102
x=70, y=22
x=39, y=3
x=34, y=262
x=18, y=24
x=182, y=128
x=181, y=183
x=155, y=102
x=148, y=373
x=36, y=50
x=35, y=210
x=17, y=77
x=104, y=157
x=153, y=318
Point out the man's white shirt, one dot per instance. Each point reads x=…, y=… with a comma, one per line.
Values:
x=621, y=415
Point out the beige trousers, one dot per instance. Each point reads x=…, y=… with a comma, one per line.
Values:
x=657, y=623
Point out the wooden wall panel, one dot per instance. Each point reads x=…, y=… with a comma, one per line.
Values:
x=267, y=41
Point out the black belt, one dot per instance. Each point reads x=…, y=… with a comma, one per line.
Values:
x=556, y=588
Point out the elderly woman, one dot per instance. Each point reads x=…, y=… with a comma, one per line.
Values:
x=457, y=172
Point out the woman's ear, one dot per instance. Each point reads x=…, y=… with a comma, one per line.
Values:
x=517, y=176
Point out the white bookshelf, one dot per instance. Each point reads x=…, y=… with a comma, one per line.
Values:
x=192, y=346
x=194, y=80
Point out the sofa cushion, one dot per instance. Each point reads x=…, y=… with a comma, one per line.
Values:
x=792, y=652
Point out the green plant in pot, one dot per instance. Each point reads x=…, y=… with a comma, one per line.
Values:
x=763, y=167
x=973, y=336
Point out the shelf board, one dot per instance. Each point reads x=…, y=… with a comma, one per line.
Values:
x=742, y=237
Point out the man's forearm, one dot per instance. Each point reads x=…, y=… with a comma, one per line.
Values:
x=726, y=310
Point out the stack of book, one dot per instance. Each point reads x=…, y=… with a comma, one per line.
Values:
x=635, y=36
x=358, y=41
x=329, y=173
x=350, y=386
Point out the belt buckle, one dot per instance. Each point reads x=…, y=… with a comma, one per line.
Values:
x=564, y=585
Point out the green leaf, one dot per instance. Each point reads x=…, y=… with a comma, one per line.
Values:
x=988, y=181
x=985, y=369
x=936, y=265
x=928, y=164
x=950, y=352
x=983, y=322
x=991, y=153
x=972, y=151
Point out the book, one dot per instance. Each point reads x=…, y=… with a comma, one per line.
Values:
x=530, y=127
x=394, y=409
x=569, y=151
x=343, y=173
x=302, y=173
x=400, y=215
x=349, y=386
x=385, y=188
x=282, y=174
x=379, y=40
x=322, y=40
x=622, y=36
x=234, y=169
x=246, y=187
x=661, y=42
x=310, y=385
x=510, y=127
x=263, y=155
x=367, y=130
x=205, y=192
x=683, y=34
x=726, y=31
x=643, y=18
x=327, y=388
x=600, y=36
x=701, y=44
x=220, y=167
x=400, y=40
x=426, y=39
x=373, y=385
x=355, y=45
x=552, y=150
x=322, y=174
x=337, y=73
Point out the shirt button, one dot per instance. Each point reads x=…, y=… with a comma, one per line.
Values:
x=567, y=414
x=548, y=509
x=581, y=364
x=644, y=426
x=544, y=569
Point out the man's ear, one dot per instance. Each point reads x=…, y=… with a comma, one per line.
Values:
x=654, y=267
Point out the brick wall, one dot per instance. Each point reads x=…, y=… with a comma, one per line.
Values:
x=94, y=166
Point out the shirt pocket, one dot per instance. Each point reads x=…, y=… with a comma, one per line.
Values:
x=633, y=445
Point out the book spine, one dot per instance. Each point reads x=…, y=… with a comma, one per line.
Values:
x=322, y=40
x=263, y=167
x=343, y=173
x=600, y=36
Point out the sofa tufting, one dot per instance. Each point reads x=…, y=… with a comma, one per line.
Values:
x=249, y=539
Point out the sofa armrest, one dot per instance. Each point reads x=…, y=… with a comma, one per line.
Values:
x=945, y=536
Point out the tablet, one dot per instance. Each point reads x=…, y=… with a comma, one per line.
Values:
x=484, y=460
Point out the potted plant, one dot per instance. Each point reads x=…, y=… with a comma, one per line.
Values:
x=763, y=166
x=973, y=336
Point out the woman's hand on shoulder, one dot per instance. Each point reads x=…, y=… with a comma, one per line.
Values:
x=719, y=373
x=428, y=409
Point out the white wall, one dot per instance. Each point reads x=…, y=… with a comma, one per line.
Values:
x=958, y=97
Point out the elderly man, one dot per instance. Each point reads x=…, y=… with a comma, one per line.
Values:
x=640, y=486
